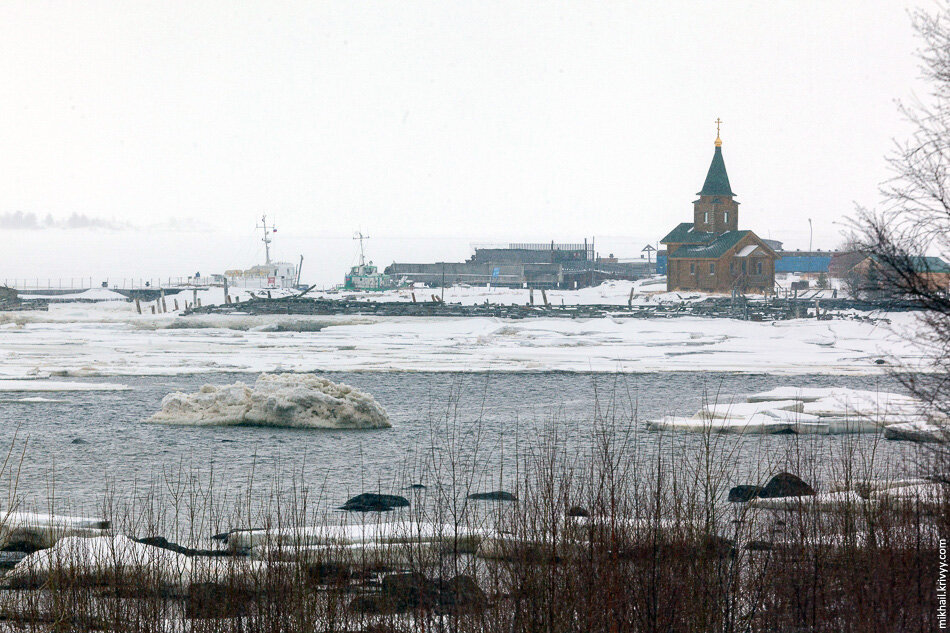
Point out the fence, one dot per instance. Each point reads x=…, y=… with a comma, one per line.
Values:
x=119, y=283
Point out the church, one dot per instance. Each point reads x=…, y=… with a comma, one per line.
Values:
x=711, y=253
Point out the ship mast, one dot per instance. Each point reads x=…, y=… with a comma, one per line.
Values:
x=359, y=236
x=267, y=238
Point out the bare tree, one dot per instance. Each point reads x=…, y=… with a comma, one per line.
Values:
x=913, y=222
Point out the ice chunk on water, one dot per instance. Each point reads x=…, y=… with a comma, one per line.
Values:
x=59, y=385
x=919, y=431
x=114, y=558
x=286, y=400
x=758, y=423
x=43, y=530
x=746, y=409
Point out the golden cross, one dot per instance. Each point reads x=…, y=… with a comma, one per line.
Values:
x=718, y=122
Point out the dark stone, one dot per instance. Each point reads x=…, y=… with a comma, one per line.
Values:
x=79, y=440
x=164, y=543
x=461, y=593
x=718, y=547
x=371, y=502
x=9, y=559
x=494, y=495
x=785, y=485
x=577, y=511
x=410, y=591
x=210, y=600
x=741, y=494
x=329, y=573
x=880, y=361
x=371, y=604
x=759, y=546
x=20, y=546
x=416, y=487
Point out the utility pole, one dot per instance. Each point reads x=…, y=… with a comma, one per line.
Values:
x=809, y=235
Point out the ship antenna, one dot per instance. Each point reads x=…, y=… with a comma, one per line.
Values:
x=267, y=238
x=359, y=236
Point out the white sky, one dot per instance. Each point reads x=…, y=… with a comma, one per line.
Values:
x=430, y=125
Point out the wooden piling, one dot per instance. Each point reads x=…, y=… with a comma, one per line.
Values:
x=413, y=297
x=544, y=296
x=164, y=305
x=176, y=304
x=531, y=296
x=199, y=302
x=630, y=299
x=153, y=309
x=138, y=306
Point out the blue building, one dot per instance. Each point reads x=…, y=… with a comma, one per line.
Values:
x=803, y=261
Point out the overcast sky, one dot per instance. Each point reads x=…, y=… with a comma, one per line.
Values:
x=146, y=139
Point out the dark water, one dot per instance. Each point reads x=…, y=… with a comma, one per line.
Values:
x=94, y=445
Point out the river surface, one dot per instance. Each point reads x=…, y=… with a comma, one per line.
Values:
x=87, y=449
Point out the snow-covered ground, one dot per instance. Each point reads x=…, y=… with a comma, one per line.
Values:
x=110, y=338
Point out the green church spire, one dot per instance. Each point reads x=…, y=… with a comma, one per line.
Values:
x=717, y=180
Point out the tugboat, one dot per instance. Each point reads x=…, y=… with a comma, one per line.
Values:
x=366, y=276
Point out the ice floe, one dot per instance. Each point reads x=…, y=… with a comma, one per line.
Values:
x=313, y=538
x=918, y=431
x=285, y=400
x=114, y=559
x=37, y=530
x=58, y=385
x=111, y=339
x=811, y=410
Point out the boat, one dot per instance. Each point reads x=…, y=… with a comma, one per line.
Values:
x=366, y=276
x=270, y=274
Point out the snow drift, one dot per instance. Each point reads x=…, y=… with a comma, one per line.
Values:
x=285, y=400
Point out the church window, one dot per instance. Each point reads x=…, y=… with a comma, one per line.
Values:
x=692, y=268
x=758, y=268
x=712, y=268
x=743, y=265
x=706, y=217
x=725, y=216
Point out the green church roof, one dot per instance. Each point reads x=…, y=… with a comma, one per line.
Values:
x=685, y=234
x=712, y=250
x=717, y=180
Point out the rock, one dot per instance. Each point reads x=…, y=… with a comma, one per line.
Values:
x=9, y=559
x=371, y=604
x=718, y=547
x=164, y=543
x=461, y=593
x=211, y=600
x=79, y=440
x=741, y=494
x=577, y=511
x=785, y=485
x=372, y=502
x=329, y=573
x=416, y=487
x=495, y=495
x=759, y=546
x=410, y=591
x=880, y=361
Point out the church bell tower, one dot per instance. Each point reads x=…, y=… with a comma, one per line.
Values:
x=716, y=211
